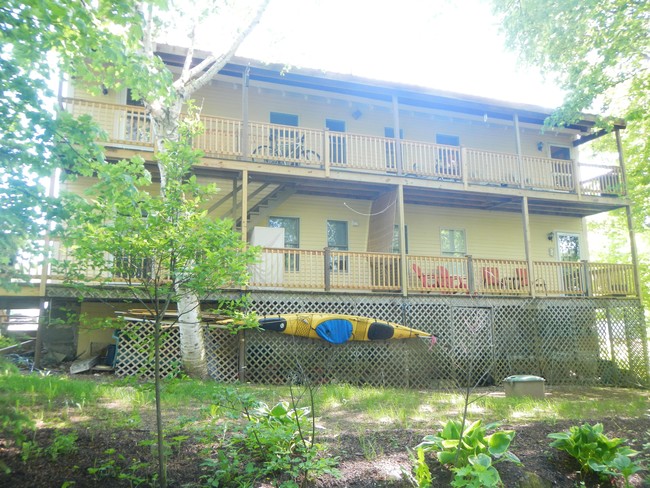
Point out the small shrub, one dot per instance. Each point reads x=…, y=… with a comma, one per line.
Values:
x=471, y=452
x=453, y=447
x=272, y=443
x=62, y=445
x=477, y=474
x=596, y=452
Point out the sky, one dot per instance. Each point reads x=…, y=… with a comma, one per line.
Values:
x=442, y=44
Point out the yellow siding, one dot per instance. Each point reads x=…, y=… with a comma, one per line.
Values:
x=93, y=339
x=489, y=234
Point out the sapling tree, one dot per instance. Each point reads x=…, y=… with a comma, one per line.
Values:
x=158, y=246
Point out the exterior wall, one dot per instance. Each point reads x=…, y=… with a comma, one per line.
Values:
x=90, y=339
x=489, y=234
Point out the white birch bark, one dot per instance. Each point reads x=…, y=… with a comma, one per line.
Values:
x=165, y=122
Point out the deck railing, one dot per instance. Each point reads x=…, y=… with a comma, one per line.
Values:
x=300, y=146
x=332, y=270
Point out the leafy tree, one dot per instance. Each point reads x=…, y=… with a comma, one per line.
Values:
x=103, y=45
x=599, y=52
x=159, y=245
x=37, y=38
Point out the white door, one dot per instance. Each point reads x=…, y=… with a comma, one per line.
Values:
x=569, y=251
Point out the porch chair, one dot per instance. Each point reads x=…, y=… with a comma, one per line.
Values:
x=443, y=279
x=522, y=277
x=424, y=279
x=491, y=278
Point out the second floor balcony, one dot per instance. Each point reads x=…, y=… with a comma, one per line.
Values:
x=327, y=151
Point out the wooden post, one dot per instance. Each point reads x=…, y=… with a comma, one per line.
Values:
x=470, y=274
x=464, y=161
x=327, y=256
x=245, y=130
x=586, y=277
x=326, y=152
x=398, y=143
x=529, y=263
x=515, y=119
x=403, y=269
x=244, y=205
x=633, y=251
x=628, y=214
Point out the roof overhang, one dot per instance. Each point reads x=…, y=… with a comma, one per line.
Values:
x=386, y=92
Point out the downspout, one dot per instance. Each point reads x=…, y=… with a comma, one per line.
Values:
x=245, y=148
x=529, y=263
x=398, y=142
x=520, y=162
x=402, y=240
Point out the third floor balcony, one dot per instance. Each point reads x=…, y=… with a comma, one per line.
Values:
x=327, y=152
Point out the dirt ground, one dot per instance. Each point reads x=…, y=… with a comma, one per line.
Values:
x=368, y=458
x=359, y=467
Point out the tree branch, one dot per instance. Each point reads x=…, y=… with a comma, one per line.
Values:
x=215, y=63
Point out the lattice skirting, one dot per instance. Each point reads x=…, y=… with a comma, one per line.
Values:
x=479, y=340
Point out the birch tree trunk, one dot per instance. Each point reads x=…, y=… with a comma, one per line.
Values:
x=166, y=117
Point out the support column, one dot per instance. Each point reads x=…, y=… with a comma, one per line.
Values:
x=402, y=240
x=529, y=261
x=245, y=144
x=244, y=205
x=398, y=142
x=628, y=214
x=520, y=163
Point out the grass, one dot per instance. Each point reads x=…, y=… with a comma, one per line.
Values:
x=61, y=401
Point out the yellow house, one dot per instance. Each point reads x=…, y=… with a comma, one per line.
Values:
x=407, y=203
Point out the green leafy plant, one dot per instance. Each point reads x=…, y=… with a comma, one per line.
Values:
x=477, y=474
x=596, y=452
x=471, y=452
x=62, y=444
x=454, y=445
x=271, y=444
x=111, y=467
x=420, y=477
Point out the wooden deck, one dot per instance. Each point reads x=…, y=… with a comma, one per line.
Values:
x=323, y=151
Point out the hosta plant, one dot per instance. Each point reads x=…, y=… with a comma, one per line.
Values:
x=596, y=452
x=454, y=445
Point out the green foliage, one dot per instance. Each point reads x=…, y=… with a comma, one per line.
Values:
x=61, y=445
x=156, y=243
x=421, y=475
x=598, y=51
x=454, y=445
x=111, y=467
x=38, y=38
x=596, y=452
x=471, y=452
x=269, y=445
x=477, y=474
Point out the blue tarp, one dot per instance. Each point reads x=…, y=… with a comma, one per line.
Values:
x=336, y=331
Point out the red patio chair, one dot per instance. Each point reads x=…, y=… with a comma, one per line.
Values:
x=491, y=277
x=522, y=277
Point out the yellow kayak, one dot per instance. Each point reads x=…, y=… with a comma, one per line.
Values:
x=338, y=329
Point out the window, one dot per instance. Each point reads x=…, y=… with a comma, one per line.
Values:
x=291, y=226
x=137, y=125
x=284, y=119
x=395, y=246
x=131, y=101
x=452, y=242
x=337, y=240
x=447, y=140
